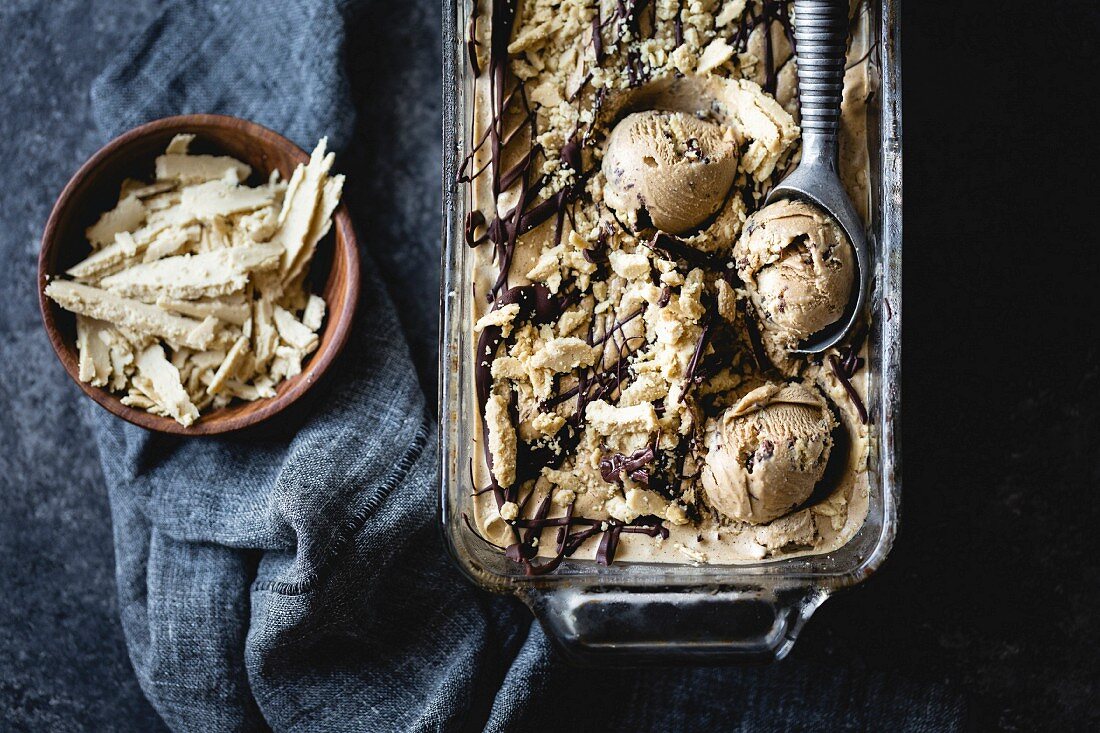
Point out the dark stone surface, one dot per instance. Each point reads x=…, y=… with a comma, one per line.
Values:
x=63, y=663
x=992, y=587
x=996, y=576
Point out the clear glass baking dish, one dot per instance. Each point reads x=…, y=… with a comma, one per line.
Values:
x=636, y=612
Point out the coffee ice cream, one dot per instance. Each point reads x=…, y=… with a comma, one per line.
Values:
x=628, y=407
x=671, y=167
x=798, y=267
x=766, y=453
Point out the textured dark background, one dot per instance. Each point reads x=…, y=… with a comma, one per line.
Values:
x=992, y=589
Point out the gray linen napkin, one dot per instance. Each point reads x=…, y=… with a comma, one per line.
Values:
x=298, y=582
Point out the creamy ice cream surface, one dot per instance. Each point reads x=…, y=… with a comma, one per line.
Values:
x=766, y=454
x=668, y=167
x=631, y=406
x=798, y=267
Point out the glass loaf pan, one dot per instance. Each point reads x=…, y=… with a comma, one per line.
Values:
x=636, y=612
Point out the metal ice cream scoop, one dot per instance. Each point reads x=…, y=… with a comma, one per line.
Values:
x=821, y=38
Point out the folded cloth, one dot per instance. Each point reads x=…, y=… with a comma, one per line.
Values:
x=298, y=582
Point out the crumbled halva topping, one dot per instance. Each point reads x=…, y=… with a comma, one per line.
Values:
x=193, y=294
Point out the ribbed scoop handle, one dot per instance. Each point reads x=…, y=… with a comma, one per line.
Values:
x=821, y=40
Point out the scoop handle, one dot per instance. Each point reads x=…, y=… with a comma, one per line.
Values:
x=821, y=40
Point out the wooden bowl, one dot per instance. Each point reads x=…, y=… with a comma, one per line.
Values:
x=94, y=189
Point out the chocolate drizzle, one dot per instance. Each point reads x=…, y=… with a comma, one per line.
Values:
x=862, y=58
x=597, y=254
x=692, y=378
x=612, y=466
x=759, y=353
x=617, y=326
x=673, y=248
x=568, y=542
x=597, y=37
x=474, y=221
x=471, y=41
x=596, y=384
x=470, y=526
x=771, y=78
x=770, y=11
x=845, y=366
x=853, y=22
x=628, y=14
x=503, y=230
x=538, y=305
x=678, y=24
